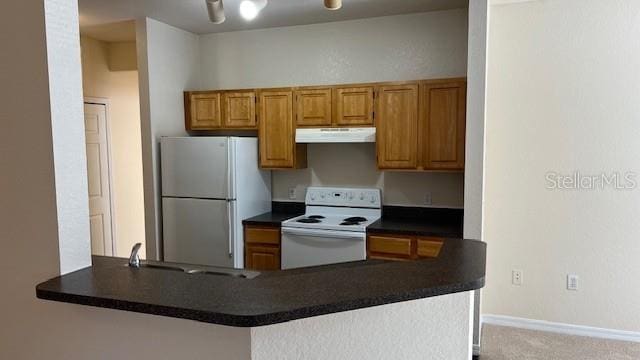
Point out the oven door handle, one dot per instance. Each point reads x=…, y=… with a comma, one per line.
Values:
x=349, y=235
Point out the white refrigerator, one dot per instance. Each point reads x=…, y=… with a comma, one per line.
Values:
x=209, y=185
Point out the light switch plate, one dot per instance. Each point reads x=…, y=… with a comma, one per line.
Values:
x=292, y=193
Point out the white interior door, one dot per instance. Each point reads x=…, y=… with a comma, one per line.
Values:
x=95, y=122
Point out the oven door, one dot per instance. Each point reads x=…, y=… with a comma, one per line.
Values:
x=311, y=247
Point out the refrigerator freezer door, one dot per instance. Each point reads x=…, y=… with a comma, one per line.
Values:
x=195, y=167
x=196, y=231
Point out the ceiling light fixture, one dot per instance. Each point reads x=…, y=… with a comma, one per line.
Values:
x=216, y=11
x=249, y=9
x=333, y=4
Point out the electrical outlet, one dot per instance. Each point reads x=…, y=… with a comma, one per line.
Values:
x=516, y=277
x=292, y=193
x=427, y=198
x=572, y=282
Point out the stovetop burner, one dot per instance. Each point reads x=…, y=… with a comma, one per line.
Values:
x=355, y=219
x=308, y=221
x=315, y=217
x=350, y=223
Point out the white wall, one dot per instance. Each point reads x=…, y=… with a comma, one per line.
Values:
x=34, y=200
x=563, y=89
x=436, y=328
x=168, y=63
x=405, y=47
x=121, y=88
x=67, y=129
x=474, y=147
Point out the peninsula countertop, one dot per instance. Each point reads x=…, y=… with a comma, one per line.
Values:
x=272, y=297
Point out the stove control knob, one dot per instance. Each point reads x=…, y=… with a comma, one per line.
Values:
x=322, y=195
x=372, y=199
x=361, y=196
x=350, y=195
x=313, y=197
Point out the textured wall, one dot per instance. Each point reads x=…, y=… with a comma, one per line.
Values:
x=67, y=128
x=405, y=47
x=562, y=96
x=168, y=64
x=436, y=328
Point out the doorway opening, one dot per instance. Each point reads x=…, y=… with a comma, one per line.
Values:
x=113, y=138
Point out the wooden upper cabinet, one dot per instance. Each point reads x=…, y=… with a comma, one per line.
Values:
x=397, y=126
x=276, y=131
x=354, y=106
x=313, y=107
x=203, y=111
x=240, y=110
x=444, y=124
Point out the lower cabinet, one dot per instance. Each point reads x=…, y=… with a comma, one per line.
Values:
x=402, y=247
x=262, y=247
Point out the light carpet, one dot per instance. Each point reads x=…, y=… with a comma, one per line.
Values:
x=507, y=343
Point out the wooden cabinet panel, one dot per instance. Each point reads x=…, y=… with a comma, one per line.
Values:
x=276, y=131
x=262, y=235
x=397, y=126
x=313, y=107
x=383, y=247
x=262, y=247
x=429, y=247
x=262, y=257
x=203, y=111
x=403, y=247
x=444, y=125
x=240, y=109
x=354, y=106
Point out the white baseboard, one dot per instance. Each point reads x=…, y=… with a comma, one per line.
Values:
x=560, y=328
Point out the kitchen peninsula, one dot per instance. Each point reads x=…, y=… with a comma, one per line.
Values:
x=426, y=304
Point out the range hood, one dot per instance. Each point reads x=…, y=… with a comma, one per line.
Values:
x=336, y=135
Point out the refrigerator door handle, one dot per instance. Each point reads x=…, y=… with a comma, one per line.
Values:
x=231, y=224
x=231, y=168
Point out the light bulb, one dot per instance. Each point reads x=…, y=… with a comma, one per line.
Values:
x=249, y=9
x=333, y=4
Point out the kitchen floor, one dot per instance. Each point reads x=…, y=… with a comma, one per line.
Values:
x=507, y=343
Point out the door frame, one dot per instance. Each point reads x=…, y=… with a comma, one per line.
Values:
x=106, y=102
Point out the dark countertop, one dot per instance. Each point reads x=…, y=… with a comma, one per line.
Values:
x=441, y=222
x=270, y=218
x=280, y=211
x=272, y=297
x=415, y=227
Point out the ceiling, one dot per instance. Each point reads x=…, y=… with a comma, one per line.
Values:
x=112, y=32
x=191, y=15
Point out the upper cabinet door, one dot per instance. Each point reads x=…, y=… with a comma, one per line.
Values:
x=203, y=111
x=444, y=124
x=276, y=130
x=354, y=106
x=240, y=109
x=313, y=107
x=397, y=126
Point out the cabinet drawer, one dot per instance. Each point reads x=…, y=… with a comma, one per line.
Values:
x=429, y=247
x=395, y=246
x=262, y=235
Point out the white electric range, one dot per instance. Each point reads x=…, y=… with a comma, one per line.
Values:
x=333, y=228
